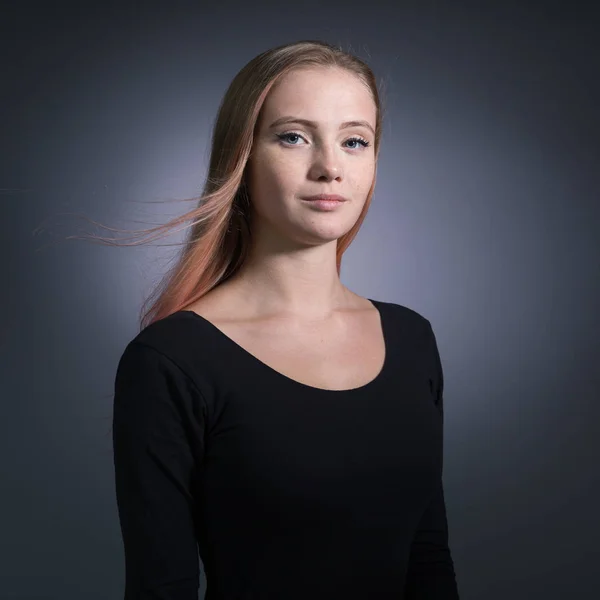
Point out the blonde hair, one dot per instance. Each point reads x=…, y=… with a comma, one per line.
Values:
x=218, y=237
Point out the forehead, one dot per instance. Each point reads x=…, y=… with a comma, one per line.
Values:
x=322, y=94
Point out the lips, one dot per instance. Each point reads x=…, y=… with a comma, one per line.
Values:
x=327, y=197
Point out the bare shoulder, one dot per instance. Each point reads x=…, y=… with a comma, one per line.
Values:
x=216, y=305
x=225, y=305
x=344, y=351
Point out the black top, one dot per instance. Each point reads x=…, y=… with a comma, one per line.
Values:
x=286, y=491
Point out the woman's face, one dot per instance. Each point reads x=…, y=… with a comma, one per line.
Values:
x=294, y=160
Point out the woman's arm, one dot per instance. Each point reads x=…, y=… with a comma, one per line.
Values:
x=431, y=574
x=157, y=441
x=431, y=569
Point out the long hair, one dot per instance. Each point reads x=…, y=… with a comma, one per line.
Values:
x=218, y=236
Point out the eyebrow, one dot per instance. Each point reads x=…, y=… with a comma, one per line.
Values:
x=344, y=125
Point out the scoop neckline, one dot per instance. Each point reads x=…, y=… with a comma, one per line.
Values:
x=365, y=387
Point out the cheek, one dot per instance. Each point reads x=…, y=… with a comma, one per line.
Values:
x=360, y=177
x=278, y=172
x=366, y=178
x=270, y=180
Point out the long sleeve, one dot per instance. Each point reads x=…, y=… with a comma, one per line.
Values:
x=431, y=574
x=158, y=425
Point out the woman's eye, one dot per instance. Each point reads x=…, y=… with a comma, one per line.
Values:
x=286, y=137
x=360, y=141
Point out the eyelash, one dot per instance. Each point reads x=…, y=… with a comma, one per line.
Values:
x=361, y=140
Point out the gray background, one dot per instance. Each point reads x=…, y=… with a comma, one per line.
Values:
x=485, y=219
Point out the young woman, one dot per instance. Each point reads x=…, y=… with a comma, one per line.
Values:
x=266, y=418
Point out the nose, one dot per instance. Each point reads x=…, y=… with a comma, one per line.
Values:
x=326, y=165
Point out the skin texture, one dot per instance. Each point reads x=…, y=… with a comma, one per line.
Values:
x=291, y=271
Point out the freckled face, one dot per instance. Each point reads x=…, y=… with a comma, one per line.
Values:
x=293, y=160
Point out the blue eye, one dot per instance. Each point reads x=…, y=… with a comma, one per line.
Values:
x=283, y=136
